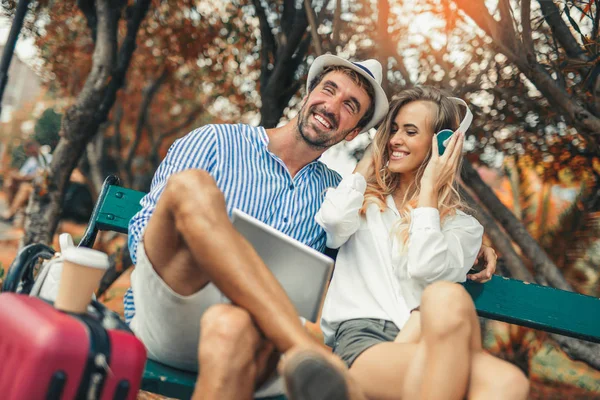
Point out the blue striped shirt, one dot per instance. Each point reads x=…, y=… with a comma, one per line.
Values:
x=252, y=179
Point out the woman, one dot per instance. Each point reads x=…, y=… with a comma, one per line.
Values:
x=399, y=224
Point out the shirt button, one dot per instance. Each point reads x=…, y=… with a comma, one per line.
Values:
x=285, y=219
x=292, y=186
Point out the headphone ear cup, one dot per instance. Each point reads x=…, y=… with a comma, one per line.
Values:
x=443, y=136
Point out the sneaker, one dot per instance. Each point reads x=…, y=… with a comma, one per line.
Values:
x=309, y=376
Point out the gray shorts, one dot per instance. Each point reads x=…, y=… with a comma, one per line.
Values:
x=357, y=335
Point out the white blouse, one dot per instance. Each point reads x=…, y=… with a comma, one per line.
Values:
x=374, y=276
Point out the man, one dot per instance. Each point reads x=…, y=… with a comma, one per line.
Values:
x=19, y=185
x=189, y=258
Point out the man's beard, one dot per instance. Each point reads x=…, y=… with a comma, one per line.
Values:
x=322, y=140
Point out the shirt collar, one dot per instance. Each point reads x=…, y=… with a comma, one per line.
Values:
x=264, y=138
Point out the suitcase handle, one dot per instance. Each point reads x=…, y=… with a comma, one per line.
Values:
x=19, y=278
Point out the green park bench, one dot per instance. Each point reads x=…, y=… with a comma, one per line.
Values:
x=501, y=299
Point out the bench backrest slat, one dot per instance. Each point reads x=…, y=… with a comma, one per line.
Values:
x=502, y=299
x=539, y=307
x=119, y=206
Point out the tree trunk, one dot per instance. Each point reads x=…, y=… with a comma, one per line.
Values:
x=281, y=59
x=95, y=155
x=81, y=121
x=543, y=266
x=191, y=117
x=383, y=15
x=148, y=95
x=579, y=350
x=312, y=19
x=501, y=242
x=576, y=349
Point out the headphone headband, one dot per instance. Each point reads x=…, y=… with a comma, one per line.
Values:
x=466, y=122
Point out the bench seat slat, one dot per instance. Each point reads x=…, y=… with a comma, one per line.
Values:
x=538, y=307
x=173, y=382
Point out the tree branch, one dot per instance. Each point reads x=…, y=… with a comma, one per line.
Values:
x=580, y=117
x=149, y=93
x=402, y=68
x=103, y=57
x=337, y=23
x=383, y=15
x=89, y=11
x=526, y=35
x=312, y=20
x=507, y=20
x=117, y=131
x=288, y=15
x=191, y=117
x=594, y=35
x=139, y=10
x=95, y=152
x=268, y=44
x=479, y=13
x=561, y=31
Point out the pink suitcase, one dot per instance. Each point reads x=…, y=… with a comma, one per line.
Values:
x=48, y=354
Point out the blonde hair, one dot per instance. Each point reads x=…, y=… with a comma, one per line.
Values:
x=384, y=182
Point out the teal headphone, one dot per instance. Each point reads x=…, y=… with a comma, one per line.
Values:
x=443, y=136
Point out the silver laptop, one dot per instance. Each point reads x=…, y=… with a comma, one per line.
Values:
x=302, y=271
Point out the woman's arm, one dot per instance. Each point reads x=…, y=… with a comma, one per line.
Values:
x=339, y=213
x=447, y=253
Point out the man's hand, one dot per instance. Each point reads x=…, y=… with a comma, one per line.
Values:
x=365, y=166
x=489, y=263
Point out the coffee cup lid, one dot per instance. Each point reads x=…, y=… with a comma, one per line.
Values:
x=88, y=257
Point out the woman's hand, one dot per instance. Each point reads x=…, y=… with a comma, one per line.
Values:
x=366, y=166
x=440, y=168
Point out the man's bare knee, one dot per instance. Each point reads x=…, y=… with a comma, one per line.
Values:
x=446, y=309
x=191, y=185
x=227, y=332
x=194, y=193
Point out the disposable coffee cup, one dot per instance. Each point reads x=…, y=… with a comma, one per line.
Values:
x=81, y=273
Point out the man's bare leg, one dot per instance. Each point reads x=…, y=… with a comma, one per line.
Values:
x=19, y=201
x=190, y=241
x=10, y=186
x=234, y=359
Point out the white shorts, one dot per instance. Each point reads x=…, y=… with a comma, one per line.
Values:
x=169, y=324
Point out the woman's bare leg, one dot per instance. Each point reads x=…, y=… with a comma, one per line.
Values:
x=496, y=379
x=491, y=377
x=460, y=366
x=381, y=370
x=432, y=345
x=444, y=354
